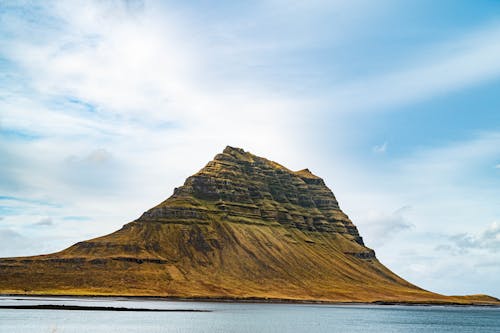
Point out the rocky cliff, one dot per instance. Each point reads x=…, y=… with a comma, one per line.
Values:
x=242, y=227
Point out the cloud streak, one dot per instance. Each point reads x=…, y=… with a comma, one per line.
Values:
x=458, y=64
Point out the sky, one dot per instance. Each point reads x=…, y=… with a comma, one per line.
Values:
x=106, y=106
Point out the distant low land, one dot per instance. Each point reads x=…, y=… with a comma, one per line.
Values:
x=92, y=308
x=473, y=300
x=243, y=228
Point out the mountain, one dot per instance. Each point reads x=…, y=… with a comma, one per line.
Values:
x=243, y=227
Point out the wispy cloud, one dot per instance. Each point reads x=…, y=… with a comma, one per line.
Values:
x=117, y=105
x=453, y=65
x=380, y=149
x=453, y=193
x=45, y=222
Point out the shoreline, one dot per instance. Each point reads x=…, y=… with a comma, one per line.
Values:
x=255, y=300
x=92, y=308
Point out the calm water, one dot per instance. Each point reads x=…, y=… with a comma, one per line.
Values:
x=243, y=317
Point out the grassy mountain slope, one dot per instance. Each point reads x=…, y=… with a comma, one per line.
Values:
x=242, y=227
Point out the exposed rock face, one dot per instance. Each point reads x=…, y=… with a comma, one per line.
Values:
x=242, y=187
x=242, y=227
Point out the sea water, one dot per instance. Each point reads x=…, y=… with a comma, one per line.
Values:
x=242, y=317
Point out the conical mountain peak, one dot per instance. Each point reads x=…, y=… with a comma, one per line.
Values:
x=237, y=186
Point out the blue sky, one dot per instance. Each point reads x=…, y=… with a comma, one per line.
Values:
x=106, y=106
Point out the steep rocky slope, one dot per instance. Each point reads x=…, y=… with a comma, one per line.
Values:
x=242, y=227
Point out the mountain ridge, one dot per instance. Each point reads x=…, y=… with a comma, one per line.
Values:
x=243, y=227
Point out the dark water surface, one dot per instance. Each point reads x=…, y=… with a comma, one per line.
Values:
x=242, y=317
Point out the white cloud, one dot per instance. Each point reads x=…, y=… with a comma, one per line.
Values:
x=45, y=222
x=380, y=149
x=118, y=100
x=97, y=157
x=12, y=242
x=489, y=239
x=378, y=228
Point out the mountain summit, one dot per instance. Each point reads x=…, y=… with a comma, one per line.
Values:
x=243, y=227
